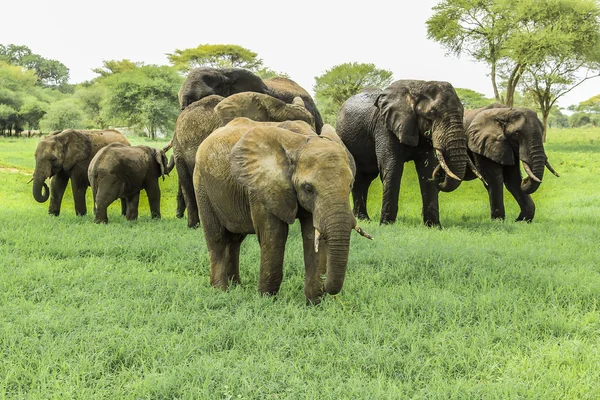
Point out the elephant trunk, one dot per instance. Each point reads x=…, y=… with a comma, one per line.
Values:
x=39, y=195
x=43, y=170
x=535, y=169
x=450, y=141
x=336, y=231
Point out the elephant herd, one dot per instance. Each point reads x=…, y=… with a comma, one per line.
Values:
x=252, y=156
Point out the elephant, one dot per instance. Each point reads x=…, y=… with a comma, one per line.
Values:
x=409, y=120
x=202, y=117
x=121, y=172
x=253, y=177
x=499, y=136
x=202, y=82
x=66, y=155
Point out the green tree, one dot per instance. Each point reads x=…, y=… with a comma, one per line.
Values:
x=32, y=111
x=342, y=81
x=472, y=99
x=144, y=98
x=215, y=55
x=51, y=73
x=63, y=114
x=116, y=66
x=91, y=97
x=515, y=38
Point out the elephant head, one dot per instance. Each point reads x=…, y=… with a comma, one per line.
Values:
x=416, y=111
x=285, y=170
x=57, y=152
x=202, y=82
x=262, y=107
x=506, y=135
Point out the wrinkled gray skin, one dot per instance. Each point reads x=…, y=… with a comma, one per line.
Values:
x=202, y=82
x=65, y=156
x=409, y=120
x=201, y=118
x=253, y=177
x=498, y=138
x=121, y=172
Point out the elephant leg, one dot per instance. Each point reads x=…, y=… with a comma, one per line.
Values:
x=180, y=202
x=360, y=192
x=512, y=180
x=153, y=193
x=123, y=206
x=79, y=186
x=315, y=264
x=223, y=246
x=425, y=164
x=272, y=234
x=133, y=203
x=391, y=166
x=492, y=172
x=186, y=187
x=58, y=185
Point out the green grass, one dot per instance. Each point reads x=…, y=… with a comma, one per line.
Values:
x=480, y=309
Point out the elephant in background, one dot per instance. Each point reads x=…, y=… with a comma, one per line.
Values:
x=254, y=177
x=202, y=117
x=66, y=155
x=202, y=82
x=121, y=172
x=498, y=137
x=413, y=120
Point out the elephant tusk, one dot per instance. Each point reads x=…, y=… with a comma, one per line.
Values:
x=436, y=171
x=29, y=181
x=317, y=239
x=475, y=171
x=442, y=162
x=168, y=146
x=530, y=173
x=363, y=233
x=551, y=169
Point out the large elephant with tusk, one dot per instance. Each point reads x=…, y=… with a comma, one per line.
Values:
x=498, y=137
x=259, y=177
x=410, y=120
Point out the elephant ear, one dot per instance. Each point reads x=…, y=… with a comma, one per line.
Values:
x=77, y=147
x=329, y=132
x=162, y=161
x=397, y=109
x=263, y=162
x=486, y=137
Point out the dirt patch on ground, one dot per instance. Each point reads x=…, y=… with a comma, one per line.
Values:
x=13, y=170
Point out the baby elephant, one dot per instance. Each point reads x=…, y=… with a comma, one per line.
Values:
x=121, y=172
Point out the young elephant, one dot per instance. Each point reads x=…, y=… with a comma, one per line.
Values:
x=201, y=118
x=498, y=137
x=258, y=178
x=66, y=155
x=121, y=172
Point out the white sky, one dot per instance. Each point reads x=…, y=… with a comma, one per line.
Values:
x=302, y=38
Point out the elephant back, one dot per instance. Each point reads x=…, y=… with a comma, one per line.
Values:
x=286, y=89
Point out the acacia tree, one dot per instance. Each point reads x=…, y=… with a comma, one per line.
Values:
x=110, y=67
x=342, y=81
x=569, y=32
x=220, y=56
x=515, y=37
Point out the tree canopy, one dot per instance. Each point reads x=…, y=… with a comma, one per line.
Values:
x=51, y=73
x=220, y=56
x=540, y=44
x=144, y=98
x=116, y=66
x=472, y=99
x=342, y=81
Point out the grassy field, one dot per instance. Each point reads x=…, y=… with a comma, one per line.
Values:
x=480, y=309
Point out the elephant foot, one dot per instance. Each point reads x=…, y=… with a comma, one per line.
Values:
x=101, y=221
x=433, y=224
x=56, y=213
x=362, y=215
x=386, y=221
x=179, y=214
x=498, y=217
x=524, y=217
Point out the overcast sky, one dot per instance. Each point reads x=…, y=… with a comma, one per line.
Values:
x=302, y=38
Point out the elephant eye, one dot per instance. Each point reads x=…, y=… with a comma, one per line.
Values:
x=308, y=188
